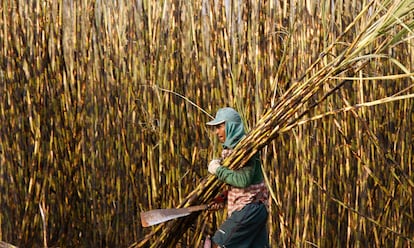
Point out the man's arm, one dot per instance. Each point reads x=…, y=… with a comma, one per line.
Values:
x=240, y=178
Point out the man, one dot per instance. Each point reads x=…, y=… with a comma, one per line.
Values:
x=247, y=193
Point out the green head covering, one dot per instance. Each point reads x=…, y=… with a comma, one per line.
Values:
x=234, y=126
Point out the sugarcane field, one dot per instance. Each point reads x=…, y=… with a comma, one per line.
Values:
x=111, y=135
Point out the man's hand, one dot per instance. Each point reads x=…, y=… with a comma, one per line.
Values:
x=218, y=202
x=214, y=206
x=213, y=165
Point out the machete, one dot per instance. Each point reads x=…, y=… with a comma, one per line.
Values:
x=157, y=216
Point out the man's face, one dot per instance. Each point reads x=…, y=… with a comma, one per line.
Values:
x=221, y=132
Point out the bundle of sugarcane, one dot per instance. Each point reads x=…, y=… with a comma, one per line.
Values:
x=389, y=21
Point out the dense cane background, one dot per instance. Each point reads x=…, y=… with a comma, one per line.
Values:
x=103, y=107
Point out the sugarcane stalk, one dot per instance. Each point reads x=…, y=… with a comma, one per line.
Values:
x=292, y=103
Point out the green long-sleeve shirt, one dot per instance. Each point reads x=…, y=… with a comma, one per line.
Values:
x=250, y=174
